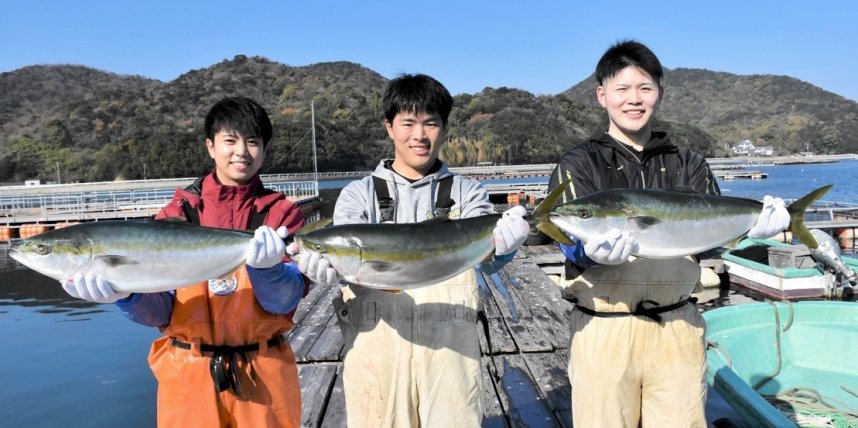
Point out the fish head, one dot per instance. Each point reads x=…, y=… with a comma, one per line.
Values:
x=53, y=256
x=585, y=220
x=341, y=250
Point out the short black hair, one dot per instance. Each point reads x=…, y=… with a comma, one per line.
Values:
x=628, y=53
x=416, y=93
x=241, y=115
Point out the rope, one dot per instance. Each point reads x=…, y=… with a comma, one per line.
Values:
x=807, y=407
x=786, y=327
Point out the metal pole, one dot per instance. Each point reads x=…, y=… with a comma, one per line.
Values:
x=313, y=121
x=58, y=173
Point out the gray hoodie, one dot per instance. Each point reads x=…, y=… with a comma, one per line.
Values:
x=414, y=202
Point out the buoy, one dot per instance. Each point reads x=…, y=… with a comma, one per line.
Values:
x=8, y=233
x=846, y=238
x=29, y=230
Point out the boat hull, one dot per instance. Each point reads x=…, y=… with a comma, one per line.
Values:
x=775, y=347
x=803, y=281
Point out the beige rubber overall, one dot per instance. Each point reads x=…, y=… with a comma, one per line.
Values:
x=416, y=361
x=631, y=370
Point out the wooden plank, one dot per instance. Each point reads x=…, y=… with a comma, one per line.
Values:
x=542, y=254
x=335, y=413
x=520, y=395
x=494, y=415
x=518, y=318
x=501, y=338
x=316, y=384
x=550, y=373
x=305, y=306
x=550, y=313
x=303, y=337
x=329, y=344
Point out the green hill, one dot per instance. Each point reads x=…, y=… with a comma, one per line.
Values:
x=95, y=125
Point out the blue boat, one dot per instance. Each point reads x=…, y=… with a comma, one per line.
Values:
x=783, y=364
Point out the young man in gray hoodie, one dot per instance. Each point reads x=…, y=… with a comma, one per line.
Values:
x=413, y=357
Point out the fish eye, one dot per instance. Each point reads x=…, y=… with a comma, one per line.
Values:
x=43, y=250
x=585, y=214
x=317, y=248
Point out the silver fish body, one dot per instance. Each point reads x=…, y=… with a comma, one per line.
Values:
x=665, y=224
x=403, y=256
x=135, y=256
x=828, y=254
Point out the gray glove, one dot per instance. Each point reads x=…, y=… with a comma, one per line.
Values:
x=92, y=288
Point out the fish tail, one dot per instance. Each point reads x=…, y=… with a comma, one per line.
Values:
x=540, y=216
x=796, y=212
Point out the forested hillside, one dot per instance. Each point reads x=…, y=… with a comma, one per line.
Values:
x=92, y=125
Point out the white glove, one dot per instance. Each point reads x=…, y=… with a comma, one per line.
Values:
x=314, y=266
x=612, y=248
x=266, y=248
x=511, y=230
x=773, y=219
x=92, y=288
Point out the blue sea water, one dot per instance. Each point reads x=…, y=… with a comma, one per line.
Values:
x=70, y=363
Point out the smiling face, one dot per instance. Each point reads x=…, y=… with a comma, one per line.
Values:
x=417, y=138
x=237, y=159
x=631, y=98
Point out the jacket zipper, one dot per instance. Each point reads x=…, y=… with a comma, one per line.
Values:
x=643, y=177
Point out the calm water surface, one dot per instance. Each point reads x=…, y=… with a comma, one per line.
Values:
x=70, y=363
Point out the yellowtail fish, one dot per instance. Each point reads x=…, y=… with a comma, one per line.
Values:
x=665, y=223
x=403, y=255
x=135, y=256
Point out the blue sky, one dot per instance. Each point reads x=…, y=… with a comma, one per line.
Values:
x=544, y=47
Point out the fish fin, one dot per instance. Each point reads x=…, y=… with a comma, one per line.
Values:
x=380, y=266
x=539, y=218
x=554, y=233
x=114, y=261
x=643, y=222
x=544, y=208
x=316, y=225
x=796, y=212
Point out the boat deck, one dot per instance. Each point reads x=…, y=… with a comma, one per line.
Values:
x=524, y=371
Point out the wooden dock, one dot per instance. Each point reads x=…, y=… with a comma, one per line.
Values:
x=524, y=371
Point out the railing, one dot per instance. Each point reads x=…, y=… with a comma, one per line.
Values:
x=111, y=203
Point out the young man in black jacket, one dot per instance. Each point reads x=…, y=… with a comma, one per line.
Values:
x=637, y=354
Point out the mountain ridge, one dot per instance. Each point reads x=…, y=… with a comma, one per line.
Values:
x=96, y=125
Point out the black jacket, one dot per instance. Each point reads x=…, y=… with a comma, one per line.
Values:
x=603, y=163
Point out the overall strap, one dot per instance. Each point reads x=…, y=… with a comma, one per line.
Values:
x=443, y=202
x=386, y=204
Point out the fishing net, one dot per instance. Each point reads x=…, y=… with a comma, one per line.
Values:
x=806, y=407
